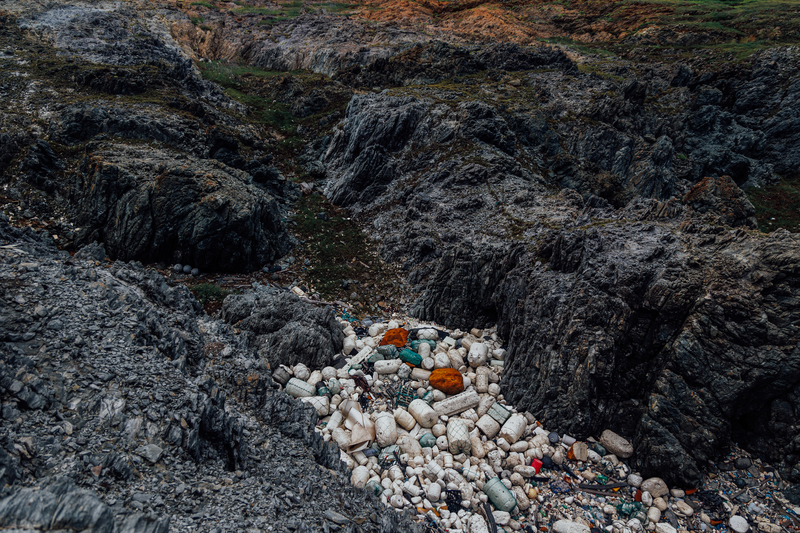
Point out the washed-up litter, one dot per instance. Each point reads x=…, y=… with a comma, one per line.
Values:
x=421, y=421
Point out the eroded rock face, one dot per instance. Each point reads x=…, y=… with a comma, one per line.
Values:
x=289, y=331
x=677, y=341
x=115, y=381
x=158, y=206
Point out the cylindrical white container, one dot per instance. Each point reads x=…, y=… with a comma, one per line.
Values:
x=484, y=405
x=298, y=388
x=477, y=354
x=457, y=404
x=404, y=419
x=335, y=420
x=441, y=442
x=423, y=413
x=432, y=470
x=476, y=447
x=424, y=350
x=409, y=445
x=420, y=374
x=458, y=436
x=390, y=366
x=385, y=429
x=434, y=492
x=448, y=460
x=514, y=427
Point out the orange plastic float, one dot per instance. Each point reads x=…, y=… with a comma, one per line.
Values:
x=447, y=380
x=396, y=336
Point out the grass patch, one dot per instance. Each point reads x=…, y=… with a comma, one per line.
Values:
x=337, y=250
x=777, y=206
x=197, y=20
x=207, y=5
x=207, y=293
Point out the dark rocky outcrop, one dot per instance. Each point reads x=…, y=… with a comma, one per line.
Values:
x=680, y=342
x=163, y=409
x=721, y=197
x=289, y=331
x=147, y=206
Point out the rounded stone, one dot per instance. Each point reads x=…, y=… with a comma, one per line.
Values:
x=187, y=269
x=178, y=268
x=195, y=272
x=655, y=486
x=683, y=508
x=616, y=444
x=635, y=480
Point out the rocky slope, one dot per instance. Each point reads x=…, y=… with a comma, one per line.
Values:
x=116, y=382
x=591, y=205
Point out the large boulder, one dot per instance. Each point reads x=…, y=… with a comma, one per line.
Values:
x=155, y=205
x=289, y=330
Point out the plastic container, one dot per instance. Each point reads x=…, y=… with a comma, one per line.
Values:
x=335, y=386
x=423, y=413
x=388, y=351
x=385, y=430
x=513, y=429
x=359, y=477
x=458, y=403
x=428, y=397
x=470, y=474
x=298, y=388
x=374, y=487
x=488, y=426
x=321, y=404
x=499, y=495
x=427, y=440
x=499, y=412
x=410, y=357
x=377, y=356
x=281, y=376
x=434, y=471
x=404, y=419
x=458, y=436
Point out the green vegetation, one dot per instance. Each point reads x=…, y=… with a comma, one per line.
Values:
x=207, y=5
x=598, y=70
x=208, y=293
x=197, y=20
x=777, y=206
x=286, y=11
x=336, y=248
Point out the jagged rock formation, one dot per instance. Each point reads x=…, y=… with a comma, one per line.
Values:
x=609, y=320
x=131, y=410
x=289, y=332
x=592, y=207
x=203, y=192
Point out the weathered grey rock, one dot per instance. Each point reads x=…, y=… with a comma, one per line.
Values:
x=616, y=444
x=151, y=452
x=145, y=205
x=289, y=331
x=655, y=486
